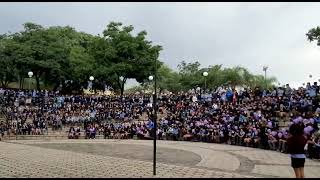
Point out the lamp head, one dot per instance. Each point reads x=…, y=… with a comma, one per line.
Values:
x=30, y=74
x=265, y=68
x=150, y=78
x=91, y=78
x=205, y=74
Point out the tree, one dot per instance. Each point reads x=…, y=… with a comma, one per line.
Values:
x=314, y=35
x=128, y=56
x=190, y=75
x=167, y=79
x=44, y=51
x=8, y=70
x=260, y=81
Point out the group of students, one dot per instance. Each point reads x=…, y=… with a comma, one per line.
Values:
x=32, y=112
x=248, y=117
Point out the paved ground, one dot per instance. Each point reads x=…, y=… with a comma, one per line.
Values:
x=133, y=158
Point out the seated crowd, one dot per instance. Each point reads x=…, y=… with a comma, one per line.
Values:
x=249, y=117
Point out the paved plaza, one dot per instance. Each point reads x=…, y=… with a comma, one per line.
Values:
x=133, y=158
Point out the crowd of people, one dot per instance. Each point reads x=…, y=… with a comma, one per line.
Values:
x=248, y=117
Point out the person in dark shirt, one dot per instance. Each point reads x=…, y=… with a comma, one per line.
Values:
x=296, y=143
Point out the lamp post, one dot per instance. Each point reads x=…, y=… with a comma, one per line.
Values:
x=155, y=110
x=205, y=74
x=91, y=78
x=30, y=74
x=265, y=68
x=121, y=84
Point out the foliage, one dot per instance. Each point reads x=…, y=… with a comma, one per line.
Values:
x=64, y=59
x=63, y=56
x=314, y=35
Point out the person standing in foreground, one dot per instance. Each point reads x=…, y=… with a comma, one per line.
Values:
x=296, y=143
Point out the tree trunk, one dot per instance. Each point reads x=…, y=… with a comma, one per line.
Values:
x=23, y=80
x=122, y=90
x=6, y=83
x=20, y=82
x=38, y=82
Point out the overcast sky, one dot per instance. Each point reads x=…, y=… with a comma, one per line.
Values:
x=246, y=34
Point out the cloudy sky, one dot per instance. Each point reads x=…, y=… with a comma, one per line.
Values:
x=246, y=34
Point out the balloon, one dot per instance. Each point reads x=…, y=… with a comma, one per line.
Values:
x=269, y=130
x=280, y=135
x=310, y=128
x=283, y=130
x=254, y=129
x=290, y=123
x=274, y=133
x=305, y=121
x=236, y=127
x=270, y=124
x=306, y=131
x=312, y=121
x=296, y=121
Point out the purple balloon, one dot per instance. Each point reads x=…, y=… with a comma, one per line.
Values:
x=312, y=121
x=269, y=130
x=270, y=124
x=274, y=133
x=305, y=121
x=290, y=123
x=306, y=131
x=310, y=128
x=283, y=130
x=280, y=135
x=296, y=121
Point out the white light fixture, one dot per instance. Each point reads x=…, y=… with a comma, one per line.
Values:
x=91, y=78
x=265, y=68
x=30, y=74
x=205, y=74
x=150, y=78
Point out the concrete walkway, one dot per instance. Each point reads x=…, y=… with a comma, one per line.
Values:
x=133, y=158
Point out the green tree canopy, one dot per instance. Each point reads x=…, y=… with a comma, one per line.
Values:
x=314, y=35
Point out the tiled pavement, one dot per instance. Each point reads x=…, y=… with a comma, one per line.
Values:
x=28, y=159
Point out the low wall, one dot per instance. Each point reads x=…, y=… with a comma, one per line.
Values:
x=43, y=137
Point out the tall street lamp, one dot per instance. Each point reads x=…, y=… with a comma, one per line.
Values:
x=30, y=74
x=155, y=110
x=121, y=88
x=265, y=68
x=91, y=78
x=205, y=74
